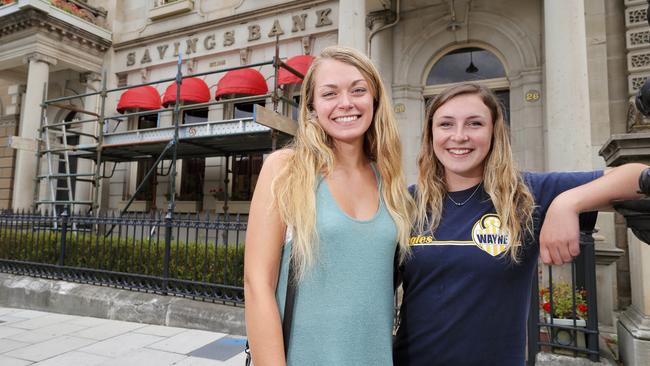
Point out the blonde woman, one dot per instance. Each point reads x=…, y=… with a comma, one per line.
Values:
x=335, y=203
x=476, y=240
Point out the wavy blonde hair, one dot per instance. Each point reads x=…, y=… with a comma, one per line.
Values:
x=313, y=155
x=501, y=179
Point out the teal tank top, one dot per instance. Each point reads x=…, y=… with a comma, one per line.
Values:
x=343, y=312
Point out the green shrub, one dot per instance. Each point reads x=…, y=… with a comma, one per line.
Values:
x=188, y=260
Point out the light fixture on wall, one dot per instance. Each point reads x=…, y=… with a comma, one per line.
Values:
x=471, y=69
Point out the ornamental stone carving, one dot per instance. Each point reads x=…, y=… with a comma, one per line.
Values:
x=638, y=38
x=39, y=57
x=636, y=16
x=636, y=82
x=639, y=61
x=635, y=121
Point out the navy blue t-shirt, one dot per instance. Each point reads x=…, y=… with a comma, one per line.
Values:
x=465, y=301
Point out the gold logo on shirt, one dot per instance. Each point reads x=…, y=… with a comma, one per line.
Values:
x=488, y=235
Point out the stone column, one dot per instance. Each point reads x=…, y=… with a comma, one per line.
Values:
x=25, y=168
x=567, y=127
x=634, y=323
x=633, y=329
x=381, y=51
x=409, y=113
x=352, y=24
x=86, y=166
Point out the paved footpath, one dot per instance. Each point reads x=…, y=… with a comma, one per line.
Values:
x=30, y=337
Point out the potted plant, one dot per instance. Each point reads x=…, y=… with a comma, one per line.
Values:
x=563, y=314
x=562, y=307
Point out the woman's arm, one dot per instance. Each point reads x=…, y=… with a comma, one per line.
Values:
x=560, y=235
x=264, y=241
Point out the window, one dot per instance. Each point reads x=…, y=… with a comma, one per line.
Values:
x=193, y=169
x=163, y=2
x=195, y=116
x=147, y=192
x=245, y=171
x=122, y=80
x=466, y=64
x=470, y=64
x=291, y=91
x=245, y=167
x=167, y=8
x=245, y=110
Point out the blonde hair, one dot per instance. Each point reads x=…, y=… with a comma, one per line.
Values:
x=294, y=186
x=501, y=180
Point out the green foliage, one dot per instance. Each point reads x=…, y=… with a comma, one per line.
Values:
x=563, y=301
x=203, y=262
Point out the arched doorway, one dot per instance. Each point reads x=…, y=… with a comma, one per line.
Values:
x=469, y=64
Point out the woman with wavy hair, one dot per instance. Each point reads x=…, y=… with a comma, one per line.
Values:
x=477, y=236
x=335, y=205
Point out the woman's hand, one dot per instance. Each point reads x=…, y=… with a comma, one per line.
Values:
x=559, y=238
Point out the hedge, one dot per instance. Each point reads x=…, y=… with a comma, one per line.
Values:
x=193, y=261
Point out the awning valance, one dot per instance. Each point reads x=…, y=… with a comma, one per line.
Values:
x=142, y=97
x=193, y=90
x=299, y=63
x=242, y=81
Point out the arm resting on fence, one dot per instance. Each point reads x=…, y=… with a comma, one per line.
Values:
x=559, y=237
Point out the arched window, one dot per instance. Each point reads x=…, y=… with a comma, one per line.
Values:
x=466, y=64
x=469, y=64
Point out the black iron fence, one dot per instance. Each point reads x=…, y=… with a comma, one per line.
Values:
x=203, y=258
x=563, y=313
x=189, y=255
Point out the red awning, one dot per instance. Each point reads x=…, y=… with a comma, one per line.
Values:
x=242, y=81
x=192, y=90
x=299, y=63
x=143, y=97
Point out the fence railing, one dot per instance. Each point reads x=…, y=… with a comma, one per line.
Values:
x=563, y=315
x=189, y=255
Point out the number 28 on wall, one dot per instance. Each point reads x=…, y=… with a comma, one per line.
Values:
x=532, y=96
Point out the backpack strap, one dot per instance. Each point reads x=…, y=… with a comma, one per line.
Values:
x=289, y=303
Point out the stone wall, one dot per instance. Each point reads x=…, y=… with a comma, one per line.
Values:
x=8, y=127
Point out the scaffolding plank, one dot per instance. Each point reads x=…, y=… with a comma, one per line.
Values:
x=268, y=118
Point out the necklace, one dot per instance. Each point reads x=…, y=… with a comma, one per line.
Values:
x=468, y=198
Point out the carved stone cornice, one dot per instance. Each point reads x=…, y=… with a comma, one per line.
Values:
x=382, y=17
x=37, y=56
x=626, y=148
x=90, y=77
x=34, y=19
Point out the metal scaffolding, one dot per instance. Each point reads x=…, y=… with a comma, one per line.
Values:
x=261, y=133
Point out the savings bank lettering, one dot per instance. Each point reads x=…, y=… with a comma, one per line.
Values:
x=209, y=42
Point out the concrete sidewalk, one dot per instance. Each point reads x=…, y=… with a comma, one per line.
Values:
x=30, y=337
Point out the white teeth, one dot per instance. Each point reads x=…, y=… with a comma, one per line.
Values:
x=459, y=151
x=346, y=118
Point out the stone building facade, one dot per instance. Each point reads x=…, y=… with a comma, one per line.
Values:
x=566, y=71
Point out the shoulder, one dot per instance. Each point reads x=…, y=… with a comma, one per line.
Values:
x=281, y=156
x=545, y=186
x=533, y=179
x=277, y=160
